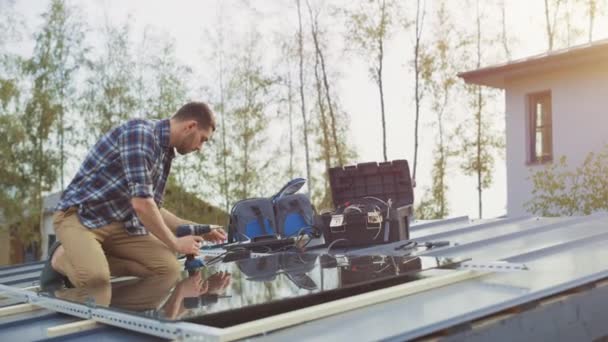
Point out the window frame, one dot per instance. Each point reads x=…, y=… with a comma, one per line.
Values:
x=546, y=128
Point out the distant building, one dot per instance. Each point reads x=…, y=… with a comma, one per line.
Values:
x=13, y=250
x=556, y=105
x=47, y=233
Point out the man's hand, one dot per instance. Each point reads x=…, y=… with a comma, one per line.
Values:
x=208, y=232
x=189, y=244
x=216, y=235
x=218, y=282
x=193, y=286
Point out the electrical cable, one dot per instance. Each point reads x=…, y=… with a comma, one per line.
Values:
x=333, y=243
x=379, y=230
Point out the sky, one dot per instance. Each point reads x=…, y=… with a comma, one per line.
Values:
x=186, y=20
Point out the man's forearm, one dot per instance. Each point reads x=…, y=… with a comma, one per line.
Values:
x=172, y=221
x=150, y=216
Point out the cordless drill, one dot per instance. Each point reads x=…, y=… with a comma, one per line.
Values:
x=192, y=229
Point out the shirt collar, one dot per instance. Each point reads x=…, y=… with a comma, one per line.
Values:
x=163, y=133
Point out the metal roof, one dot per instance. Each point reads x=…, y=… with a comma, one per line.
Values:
x=561, y=253
x=497, y=75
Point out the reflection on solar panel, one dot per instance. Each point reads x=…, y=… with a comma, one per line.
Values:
x=230, y=293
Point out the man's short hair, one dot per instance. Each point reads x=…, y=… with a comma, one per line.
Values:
x=198, y=111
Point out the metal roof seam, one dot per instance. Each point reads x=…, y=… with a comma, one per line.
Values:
x=509, y=236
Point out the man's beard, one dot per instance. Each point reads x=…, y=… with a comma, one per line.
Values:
x=182, y=149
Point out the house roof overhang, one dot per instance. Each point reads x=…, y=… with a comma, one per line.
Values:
x=496, y=76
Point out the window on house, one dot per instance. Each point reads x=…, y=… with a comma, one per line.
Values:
x=540, y=128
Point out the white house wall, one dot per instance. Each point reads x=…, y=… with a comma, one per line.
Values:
x=579, y=99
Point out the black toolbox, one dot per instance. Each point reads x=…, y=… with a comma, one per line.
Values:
x=372, y=201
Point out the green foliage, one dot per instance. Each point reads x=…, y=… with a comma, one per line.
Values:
x=434, y=203
x=16, y=185
x=247, y=116
x=439, y=67
x=219, y=148
x=110, y=97
x=58, y=55
x=167, y=89
x=479, y=154
x=560, y=191
x=12, y=131
x=332, y=121
x=187, y=205
x=369, y=26
x=479, y=142
x=35, y=95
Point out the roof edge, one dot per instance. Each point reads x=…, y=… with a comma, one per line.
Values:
x=494, y=75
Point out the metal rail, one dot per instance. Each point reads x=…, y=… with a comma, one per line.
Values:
x=170, y=330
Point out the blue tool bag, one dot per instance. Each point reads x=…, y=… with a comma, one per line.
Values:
x=294, y=214
x=285, y=214
x=251, y=218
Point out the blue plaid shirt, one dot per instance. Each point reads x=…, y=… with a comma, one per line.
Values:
x=131, y=160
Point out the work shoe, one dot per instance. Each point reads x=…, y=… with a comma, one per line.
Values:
x=50, y=279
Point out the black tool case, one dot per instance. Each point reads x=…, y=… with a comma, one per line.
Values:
x=361, y=195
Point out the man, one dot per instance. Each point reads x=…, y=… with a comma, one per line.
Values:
x=110, y=219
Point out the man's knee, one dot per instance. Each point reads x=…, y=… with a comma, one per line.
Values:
x=167, y=265
x=170, y=266
x=91, y=278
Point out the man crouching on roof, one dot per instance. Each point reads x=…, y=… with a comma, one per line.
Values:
x=110, y=220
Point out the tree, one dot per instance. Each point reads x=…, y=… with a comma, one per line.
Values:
x=333, y=122
x=58, y=55
x=573, y=29
x=44, y=117
x=564, y=20
x=17, y=187
x=594, y=8
x=224, y=151
x=503, y=36
x=286, y=67
x=439, y=67
x=290, y=98
x=249, y=86
x=110, y=97
x=592, y=11
x=168, y=90
x=479, y=142
x=369, y=26
x=302, y=97
x=320, y=62
x=324, y=138
x=418, y=91
x=220, y=150
x=14, y=183
x=551, y=13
